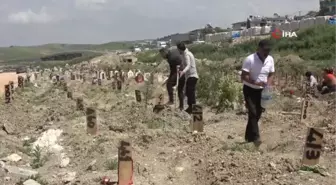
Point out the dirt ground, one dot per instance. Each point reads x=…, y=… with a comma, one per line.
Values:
x=164, y=149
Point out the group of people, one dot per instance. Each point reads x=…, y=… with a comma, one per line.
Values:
x=256, y=74
x=328, y=84
x=183, y=71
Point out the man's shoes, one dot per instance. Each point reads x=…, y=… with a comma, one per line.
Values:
x=257, y=143
x=189, y=110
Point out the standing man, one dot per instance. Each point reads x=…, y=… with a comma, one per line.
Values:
x=174, y=59
x=257, y=73
x=190, y=74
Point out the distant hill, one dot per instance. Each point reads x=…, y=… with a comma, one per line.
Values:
x=16, y=53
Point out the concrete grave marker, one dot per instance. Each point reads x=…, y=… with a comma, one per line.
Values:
x=7, y=94
x=197, y=122
x=91, y=121
x=102, y=75
x=125, y=164
x=80, y=104
x=130, y=74
x=313, y=147
x=147, y=76
x=159, y=103
x=138, y=95
x=99, y=81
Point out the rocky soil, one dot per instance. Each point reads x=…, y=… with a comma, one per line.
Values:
x=44, y=139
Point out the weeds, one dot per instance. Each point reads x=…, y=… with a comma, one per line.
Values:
x=38, y=159
x=112, y=164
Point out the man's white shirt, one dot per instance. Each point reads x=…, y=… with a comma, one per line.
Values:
x=258, y=70
x=189, y=65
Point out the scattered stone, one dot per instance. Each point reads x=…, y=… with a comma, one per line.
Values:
x=68, y=177
x=8, y=128
x=7, y=179
x=20, y=171
x=230, y=137
x=31, y=182
x=92, y=165
x=12, y=158
x=64, y=160
x=272, y=165
x=49, y=140
x=179, y=169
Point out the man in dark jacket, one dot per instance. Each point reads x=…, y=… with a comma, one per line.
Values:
x=174, y=59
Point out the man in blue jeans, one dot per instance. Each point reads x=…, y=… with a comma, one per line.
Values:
x=257, y=73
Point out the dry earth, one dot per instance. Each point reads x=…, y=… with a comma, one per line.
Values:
x=164, y=150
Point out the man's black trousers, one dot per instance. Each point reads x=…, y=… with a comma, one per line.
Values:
x=191, y=91
x=253, y=103
x=171, y=83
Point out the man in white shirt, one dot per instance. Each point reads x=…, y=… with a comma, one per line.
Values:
x=311, y=79
x=257, y=73
x=190, y=73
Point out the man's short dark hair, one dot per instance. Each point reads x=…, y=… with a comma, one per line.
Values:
x=163, y=50
x=308, y=74
x=264, y=44
x=181, y=46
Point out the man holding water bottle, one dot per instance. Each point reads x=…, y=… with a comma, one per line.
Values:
x=257, y=75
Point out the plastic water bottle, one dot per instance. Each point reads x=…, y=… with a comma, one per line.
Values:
x=266, y=97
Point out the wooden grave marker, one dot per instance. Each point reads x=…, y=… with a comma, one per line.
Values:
x=7, y=94
x=57, y=78
x=125, y=164
x=119, y=84
x=306, y=101
x=80, y=104
x=138, y=95
x=69, y=95
x=159, y=103
x=72, y=76
x=11, y=85
x=197, y=123
x=91, y=121
x=313, y=147
x=20, y=81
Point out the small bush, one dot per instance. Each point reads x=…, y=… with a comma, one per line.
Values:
x=218, y=86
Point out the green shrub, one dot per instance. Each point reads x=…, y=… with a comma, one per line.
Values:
x=218, y=86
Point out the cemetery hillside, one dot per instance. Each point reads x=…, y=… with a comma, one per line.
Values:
x=82, y=115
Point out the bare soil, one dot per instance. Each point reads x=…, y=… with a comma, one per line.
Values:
x=164, y=150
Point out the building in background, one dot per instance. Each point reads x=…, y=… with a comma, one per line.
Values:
x=254, y=21
x=328, y=7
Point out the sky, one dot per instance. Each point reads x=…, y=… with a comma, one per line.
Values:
x=34, y=22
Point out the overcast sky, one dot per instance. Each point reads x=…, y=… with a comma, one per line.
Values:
x=32, y=22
